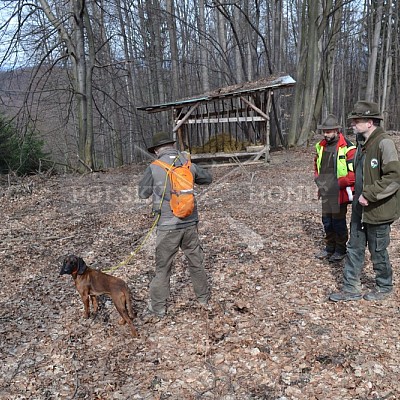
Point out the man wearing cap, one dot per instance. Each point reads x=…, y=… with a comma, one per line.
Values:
x=172, y=232
x=334, y=176
x=375, y=206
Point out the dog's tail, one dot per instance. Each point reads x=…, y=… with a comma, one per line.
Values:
x=128, y=304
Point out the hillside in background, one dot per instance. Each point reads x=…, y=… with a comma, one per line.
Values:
x=271, y=332
x=49, y=117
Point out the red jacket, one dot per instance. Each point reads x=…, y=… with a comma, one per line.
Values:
x=343, y=169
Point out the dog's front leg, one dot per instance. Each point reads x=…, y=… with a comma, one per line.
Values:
x=95, y=303
x=85, y=301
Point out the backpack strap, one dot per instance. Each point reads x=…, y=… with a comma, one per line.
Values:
x=164, y=165
x=168, y=168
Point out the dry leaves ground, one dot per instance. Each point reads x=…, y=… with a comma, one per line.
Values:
x=271, y=332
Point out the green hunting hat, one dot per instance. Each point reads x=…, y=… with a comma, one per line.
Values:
x=160, y=139
x=365, y=109
x=330, y=122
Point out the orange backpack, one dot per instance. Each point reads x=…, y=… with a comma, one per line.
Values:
x=182, y=187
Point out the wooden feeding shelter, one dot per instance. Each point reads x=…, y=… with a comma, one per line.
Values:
x=228, y=122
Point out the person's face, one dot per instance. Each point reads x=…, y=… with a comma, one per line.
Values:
x=361, y=125
x=330, y=134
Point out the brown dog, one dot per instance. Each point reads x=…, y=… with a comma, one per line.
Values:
x=91, y=283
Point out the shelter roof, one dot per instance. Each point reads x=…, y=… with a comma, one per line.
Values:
x=270, y=83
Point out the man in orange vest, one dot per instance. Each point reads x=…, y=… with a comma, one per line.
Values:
x=334, y=176
x=173, y=233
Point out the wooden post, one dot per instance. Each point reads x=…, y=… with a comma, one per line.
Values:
x=266, y=117
x=269, y=103
x=178, y=126
x=181, y=144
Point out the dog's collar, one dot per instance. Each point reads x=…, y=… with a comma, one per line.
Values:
x=75, y=272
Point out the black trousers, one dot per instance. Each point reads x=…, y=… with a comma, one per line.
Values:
x=335, y=226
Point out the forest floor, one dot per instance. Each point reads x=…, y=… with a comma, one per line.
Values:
x=271, y=332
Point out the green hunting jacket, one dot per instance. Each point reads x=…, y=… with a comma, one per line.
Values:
x=378, y=164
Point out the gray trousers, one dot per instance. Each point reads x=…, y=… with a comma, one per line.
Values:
x=377, y=237
x=167, y=245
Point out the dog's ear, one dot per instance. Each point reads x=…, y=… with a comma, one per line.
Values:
x=81, y=266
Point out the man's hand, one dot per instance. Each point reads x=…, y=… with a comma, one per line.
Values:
x=363, y=201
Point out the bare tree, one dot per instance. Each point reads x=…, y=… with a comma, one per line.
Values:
x=91, y=63
x=77, y=36
x=386, y=59
x=308, y=74
x=375, y=40
x=173, y=45
x=203, y=53
x=314, y=71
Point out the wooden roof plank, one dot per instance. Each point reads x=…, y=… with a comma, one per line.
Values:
x=226, y=92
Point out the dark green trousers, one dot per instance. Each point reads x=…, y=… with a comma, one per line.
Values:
x=167, y=245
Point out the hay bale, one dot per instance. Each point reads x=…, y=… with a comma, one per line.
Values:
x=222, y=142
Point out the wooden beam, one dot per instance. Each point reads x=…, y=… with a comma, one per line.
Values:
x=255, y=108
x=254, y=118
x=261, y=152
x=186, y=117
x=201, y=157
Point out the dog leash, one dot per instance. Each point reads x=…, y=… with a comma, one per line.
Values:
x=133, y=254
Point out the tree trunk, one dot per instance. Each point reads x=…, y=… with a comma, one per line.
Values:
x=239, y=61
x=310, y=89
x=369, y=95
x=175, y=90
x=82, y=72
x=126, y=30
x=326, y=89
x=203, y=49
x=312, y=77
x=387, y=60
x=223, y=70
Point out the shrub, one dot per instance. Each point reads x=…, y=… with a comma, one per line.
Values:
x=22, y=155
